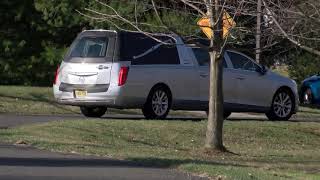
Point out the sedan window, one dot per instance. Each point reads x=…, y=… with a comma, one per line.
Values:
x=241, y=62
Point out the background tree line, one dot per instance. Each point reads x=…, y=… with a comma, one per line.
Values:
x=34, y=34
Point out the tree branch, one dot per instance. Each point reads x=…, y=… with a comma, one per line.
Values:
x=285, y=34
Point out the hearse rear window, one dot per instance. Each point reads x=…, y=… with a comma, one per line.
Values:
x=91, y=47
x=141, y=49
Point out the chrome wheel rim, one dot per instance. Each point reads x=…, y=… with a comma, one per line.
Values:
x=307, y=98
x=282, y=105
x=160, y=102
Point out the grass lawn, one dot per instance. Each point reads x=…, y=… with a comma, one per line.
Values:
x=37, y=100
x=261, y=150
x=31, y=100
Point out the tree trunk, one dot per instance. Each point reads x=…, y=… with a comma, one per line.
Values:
x=214, y=139
x=258, y=32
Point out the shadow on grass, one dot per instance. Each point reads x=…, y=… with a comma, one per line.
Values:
x=246, y=119
x=40, y=98
x=292, y=120
x=123, y=111
x=43, y=98
x=281, y=159
x=140, y=117
x=315, y=107
x=167, y=163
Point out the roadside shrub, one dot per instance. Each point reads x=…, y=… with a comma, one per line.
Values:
x=37, y=70
x=45, y=65
x=303, y=66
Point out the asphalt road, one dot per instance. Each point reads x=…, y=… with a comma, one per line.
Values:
x=27, y=163
x=24, y=163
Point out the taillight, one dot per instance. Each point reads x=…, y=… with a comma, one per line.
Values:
x=56, y=75
x=123, y=74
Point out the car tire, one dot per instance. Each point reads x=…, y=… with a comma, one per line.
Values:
x=95, y=112
x=158, y=103
x=225, y=114
x=306, y=97
x=282, y=106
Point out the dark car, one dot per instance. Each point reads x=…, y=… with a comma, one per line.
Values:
x=310, y=90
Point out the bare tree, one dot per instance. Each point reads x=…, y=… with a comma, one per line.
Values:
x=214, y=132
x=275, y=23
x=297, y=21
x=284, y=22
x=258, y=31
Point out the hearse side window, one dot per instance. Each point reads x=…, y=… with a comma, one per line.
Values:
x=92, y=47
x=203, y=57
x=140, y=50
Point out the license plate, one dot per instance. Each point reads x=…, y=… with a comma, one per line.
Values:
x=80, y=93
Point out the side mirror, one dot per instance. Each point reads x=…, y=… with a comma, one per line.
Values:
x=262, y=70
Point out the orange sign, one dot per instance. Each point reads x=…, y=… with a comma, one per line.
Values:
x=228, y=24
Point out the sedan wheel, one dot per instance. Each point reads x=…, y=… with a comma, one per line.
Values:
x=282, y=106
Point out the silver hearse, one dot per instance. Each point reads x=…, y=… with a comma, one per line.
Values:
x=121, y=69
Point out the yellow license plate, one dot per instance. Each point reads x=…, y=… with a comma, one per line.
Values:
x=80, y=93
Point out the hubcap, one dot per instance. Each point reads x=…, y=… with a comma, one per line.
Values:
x=160, y=102
x=282, y=105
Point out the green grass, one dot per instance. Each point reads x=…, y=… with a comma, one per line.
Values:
x=313, y=111
x=38, y=100
x=261, y=150
x=31, y=100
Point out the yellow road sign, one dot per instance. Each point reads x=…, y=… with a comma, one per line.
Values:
x=228, y=24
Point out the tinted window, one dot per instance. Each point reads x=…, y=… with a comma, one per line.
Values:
x=93, y=47
x=141, y=49
x=241, y=62
x=203, y=57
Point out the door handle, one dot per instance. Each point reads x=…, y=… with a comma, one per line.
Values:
x=204, y=75
x=240, y=78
